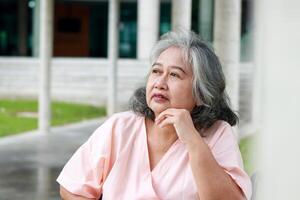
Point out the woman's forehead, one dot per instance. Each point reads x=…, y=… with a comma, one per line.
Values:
x=173, y=56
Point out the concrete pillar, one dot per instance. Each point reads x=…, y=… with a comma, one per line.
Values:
x=113, y=54
x=148, y=26
x=227, y=43
x=256, y=88
x=206, y=19
x=36, y=29
x=181, y=14
x=46, y=40
x=43, y=172
x=22, y=27
x=43, y=183
x=278, y=40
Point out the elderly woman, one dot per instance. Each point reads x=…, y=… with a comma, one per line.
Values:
x=175, y=143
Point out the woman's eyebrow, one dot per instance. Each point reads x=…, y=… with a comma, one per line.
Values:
x=156, y=63
x=172, y=66
x=177, y=67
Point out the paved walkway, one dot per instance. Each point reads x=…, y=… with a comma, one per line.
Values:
x=31, y=162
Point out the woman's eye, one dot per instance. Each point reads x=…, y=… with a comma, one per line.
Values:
x=155, y=71
x=174, y=75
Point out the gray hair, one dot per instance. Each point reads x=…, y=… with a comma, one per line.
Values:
x=208, y=80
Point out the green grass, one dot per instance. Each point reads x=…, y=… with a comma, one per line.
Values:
x=247, y=148
x=62, y=113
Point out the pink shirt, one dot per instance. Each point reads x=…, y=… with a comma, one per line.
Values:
x=114, y=162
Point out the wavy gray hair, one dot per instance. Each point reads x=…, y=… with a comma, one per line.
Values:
x=208, y=80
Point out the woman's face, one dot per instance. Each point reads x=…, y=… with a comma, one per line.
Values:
x=169, y=83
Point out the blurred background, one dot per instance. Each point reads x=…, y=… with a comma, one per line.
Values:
x=80, y=45
x=66, y=61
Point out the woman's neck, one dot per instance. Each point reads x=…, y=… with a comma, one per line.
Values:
x=166, y=134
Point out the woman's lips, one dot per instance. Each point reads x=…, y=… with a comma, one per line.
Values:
x=159, y=98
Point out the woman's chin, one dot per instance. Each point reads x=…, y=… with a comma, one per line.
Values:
x=158, y=109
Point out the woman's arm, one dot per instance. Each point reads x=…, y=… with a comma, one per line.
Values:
x=211, y=180
x=66, y=195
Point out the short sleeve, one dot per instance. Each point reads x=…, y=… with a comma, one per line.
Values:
x=85, y=172
x=226, y=151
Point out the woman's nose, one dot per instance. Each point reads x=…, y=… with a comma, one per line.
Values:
x=161, y=83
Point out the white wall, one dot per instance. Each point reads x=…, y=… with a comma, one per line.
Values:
x=277, y=53
x=75, y=80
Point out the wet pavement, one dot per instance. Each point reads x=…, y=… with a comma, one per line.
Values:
x=31, y=162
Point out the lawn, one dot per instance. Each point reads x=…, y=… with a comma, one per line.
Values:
x=17, y=116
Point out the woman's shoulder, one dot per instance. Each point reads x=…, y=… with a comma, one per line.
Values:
x=221, y=124
x=118, y=125
x=218, y=126
x=126, y=116
x=124, y=120
x=119, y=120
x=219, y=131
x=124, y=128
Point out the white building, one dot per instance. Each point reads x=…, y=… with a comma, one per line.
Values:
x=80, y=67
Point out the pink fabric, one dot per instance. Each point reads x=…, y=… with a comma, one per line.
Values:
x=114, y=161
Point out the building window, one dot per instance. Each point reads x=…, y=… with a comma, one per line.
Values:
x=165, y=17
x=247, y=31
x=15, y=28
x=128, y=30
x=69, y=25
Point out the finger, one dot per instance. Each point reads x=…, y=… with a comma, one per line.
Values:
x=167, y=121
x=169, y=111
x=159, y=119
x=161, y=116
